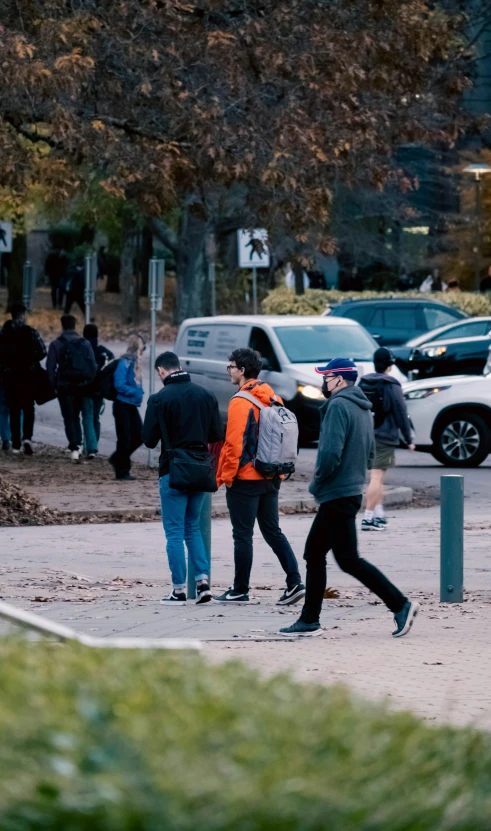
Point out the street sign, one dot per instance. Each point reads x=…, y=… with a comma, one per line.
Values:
x=5, y=237
x=251, y=253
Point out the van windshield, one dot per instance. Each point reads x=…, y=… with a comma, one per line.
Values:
x=317, y=344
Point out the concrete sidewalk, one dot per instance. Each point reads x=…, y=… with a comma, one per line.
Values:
x=107, y=580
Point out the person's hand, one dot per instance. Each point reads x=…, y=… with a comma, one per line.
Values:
x=411, y=447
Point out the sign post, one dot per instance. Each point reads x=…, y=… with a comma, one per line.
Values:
x=211, y=257
x=156, y=290
x=28, y=285
x=254, y=254
x=90, y=283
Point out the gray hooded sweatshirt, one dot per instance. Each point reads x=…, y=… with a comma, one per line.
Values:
x=346, y=446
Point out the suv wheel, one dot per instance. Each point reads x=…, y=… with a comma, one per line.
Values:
x=463, y=440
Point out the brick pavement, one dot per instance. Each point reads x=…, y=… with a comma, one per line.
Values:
x=107, y=579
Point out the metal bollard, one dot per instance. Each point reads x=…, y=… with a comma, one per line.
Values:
x=452, y=539
x=205, y=528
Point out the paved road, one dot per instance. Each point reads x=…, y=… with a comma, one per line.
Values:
x=107, y=580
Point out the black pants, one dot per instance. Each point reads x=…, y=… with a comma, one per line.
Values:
x=56, y=292
x=71, y=407
x=74, y=297
x=128, y=434
x=335, y=527
x=21, y=409
x=248, y=501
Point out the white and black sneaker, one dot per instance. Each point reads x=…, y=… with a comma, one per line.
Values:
x=405, y=618
x=291, y=596
x=174, y=599
x=203, y=594
x=374, y=524
x=27, y=447
x=382, y=520
x=231, y=596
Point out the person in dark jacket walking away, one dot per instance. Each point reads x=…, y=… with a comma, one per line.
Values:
x=249, y=495
x=71, y=367
x=192, y=420
x=21, y=350
x=344, y=454
x=129, y=396
x=93, y=402
x=55, y=269
x=391, y=421
x=75, y=287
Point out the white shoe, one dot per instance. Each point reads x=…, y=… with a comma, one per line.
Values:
x=15, y=451
x=75, y=455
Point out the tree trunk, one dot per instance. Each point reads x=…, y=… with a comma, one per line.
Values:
x=128, y=281
x=298, y=272
x=15, y=272
x=191, y=265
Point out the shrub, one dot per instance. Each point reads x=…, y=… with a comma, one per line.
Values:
x=133, y=741
x=284, y=301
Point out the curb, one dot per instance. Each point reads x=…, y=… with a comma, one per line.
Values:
x=297, y=505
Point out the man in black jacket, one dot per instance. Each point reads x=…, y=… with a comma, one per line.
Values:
x=391, y=421
x=189, y=413
x=21, y=350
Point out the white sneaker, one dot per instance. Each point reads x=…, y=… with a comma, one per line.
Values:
x=15, y=451
x=75, y=455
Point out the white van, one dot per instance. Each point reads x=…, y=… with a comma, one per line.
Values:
x=291, y=348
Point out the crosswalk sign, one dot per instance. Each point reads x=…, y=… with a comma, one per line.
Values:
x=5, y=237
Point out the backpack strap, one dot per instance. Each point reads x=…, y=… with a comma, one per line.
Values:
x=251, y=398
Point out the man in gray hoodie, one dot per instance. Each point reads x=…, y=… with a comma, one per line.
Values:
x=346, y=447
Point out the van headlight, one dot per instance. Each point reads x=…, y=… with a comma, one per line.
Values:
x=423, y=393
x=309, y=391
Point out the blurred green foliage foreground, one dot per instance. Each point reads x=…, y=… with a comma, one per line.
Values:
x=128, y=741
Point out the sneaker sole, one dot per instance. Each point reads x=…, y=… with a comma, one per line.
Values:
x=413, y=612
x=205, y=598
x=301, y=634
x=236, y=602
x=173, y=602
x=373, y=528
x=293, y=599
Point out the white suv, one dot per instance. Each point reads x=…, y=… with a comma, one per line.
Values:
x=452, y=417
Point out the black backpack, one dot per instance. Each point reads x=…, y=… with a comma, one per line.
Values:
x=76, y=362
x=105, y=380
x=374, y=391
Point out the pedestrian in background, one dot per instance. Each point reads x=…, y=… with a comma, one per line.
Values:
x=129, y=396
x=182, y=415
x=21, y=350
x=249, y=495
x=93, y=402
x=71, y=368
x=344, y=453
x=75, y=286
x=391, y=422
x=55, y=269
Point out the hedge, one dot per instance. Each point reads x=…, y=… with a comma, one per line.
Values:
x=284, y=301
x=134, y=741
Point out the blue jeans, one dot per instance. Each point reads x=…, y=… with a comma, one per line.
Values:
x=5, y=434
x=90, y=419
x=180, y=516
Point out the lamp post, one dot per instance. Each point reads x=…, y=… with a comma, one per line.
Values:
x=478, y=170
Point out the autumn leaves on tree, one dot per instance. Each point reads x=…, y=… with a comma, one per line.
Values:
x=259, y=104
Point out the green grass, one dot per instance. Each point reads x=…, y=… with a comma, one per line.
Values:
x=134, y=741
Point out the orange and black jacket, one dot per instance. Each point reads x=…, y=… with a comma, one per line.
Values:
x=241, y=437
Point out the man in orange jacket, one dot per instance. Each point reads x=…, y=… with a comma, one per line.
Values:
x=249, y=495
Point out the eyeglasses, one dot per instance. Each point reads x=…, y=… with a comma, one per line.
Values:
x=232, y=366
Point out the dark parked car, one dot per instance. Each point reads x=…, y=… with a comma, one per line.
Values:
x=470, y=328
x=395, y=321
x=462, y=349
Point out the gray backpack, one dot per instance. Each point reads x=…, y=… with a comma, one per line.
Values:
x=277, y=440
